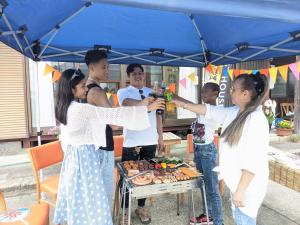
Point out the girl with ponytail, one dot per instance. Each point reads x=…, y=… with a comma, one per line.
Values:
x=243, y=159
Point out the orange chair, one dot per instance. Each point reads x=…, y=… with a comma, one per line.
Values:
x=38, y=214
x=45, y=156
x=118, y=145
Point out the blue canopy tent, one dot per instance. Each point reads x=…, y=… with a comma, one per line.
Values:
x=169, y=32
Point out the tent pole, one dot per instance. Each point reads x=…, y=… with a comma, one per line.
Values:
x=264, y=50
x=37, y=115
x=27, y=42
x=10, y=28
x=275, y=49
x=224, y=56
x=297, y=104
x=66, y=51
x=48, y=42
x=204, y=47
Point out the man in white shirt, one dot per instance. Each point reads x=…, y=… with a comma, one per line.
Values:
x=140, y=145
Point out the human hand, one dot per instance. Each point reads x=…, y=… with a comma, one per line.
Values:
x=157, y=104
x=178, y=103
x=238, y=198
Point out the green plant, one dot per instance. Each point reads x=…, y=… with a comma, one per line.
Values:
x=295, y=138
x=285, y=124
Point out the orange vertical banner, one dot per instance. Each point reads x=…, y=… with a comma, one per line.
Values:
x=115, y=98
x=172, y=87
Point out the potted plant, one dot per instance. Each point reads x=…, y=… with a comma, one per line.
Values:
x=284, y=128
x=268, y=111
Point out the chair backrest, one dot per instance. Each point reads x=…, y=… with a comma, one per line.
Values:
x=2, y=202
x=46, y=155
x=285, y=108
x=118, y=145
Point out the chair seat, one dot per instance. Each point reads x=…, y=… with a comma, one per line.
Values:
x=38, y=215
x=50, y=185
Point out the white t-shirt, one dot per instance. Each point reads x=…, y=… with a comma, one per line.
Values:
x=251, y=154
x=145, y=137
x=205, y=127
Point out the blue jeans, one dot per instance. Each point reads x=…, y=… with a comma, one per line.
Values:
x=205, y=157
x=241, y=218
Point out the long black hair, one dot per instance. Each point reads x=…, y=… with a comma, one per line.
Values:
x=257, y=85
x=64, y=95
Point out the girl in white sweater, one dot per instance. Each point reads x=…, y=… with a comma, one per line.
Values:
x=82, y=197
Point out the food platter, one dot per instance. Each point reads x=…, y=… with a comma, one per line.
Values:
x=159, y=171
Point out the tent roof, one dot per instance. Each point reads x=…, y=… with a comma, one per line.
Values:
x=170, y=32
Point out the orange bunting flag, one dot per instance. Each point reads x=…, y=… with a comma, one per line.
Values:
x=48, y=69
x=172, y=87
x=209, y=68
x=230, y=72
x=283, y=70
x=115, y=98
x=273, y=73
x=56, y=76
x=265, y=72
x=236, y=73
x=298, y=66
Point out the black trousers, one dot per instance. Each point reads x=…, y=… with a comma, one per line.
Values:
x=146, y=152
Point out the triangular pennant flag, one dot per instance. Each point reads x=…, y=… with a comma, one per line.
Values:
x=192, y=77
x=273, y=73
x=183, y=82
x=225, y=71
x=172, y=87
x=293, y=68
x=115, y=98
x=248, y=71
x=236, y=72
x=283, y=72
x=255, y=71
x=264, y=71
x=48, y=69
x=218, y=78
x=242, y=72
x=230, y=73
x=108, y=95
x=298, y=66
x=219, y=70
x=209, y=69
x=56, y=76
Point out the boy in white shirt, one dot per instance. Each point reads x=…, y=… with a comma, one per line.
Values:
x=140, y=145
x=206, y=155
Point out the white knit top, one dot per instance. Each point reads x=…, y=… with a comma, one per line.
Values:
x=86, y=123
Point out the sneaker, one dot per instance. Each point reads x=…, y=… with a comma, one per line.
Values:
x=201, y=220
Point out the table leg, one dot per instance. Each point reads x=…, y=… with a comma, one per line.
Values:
x=124, y=199
x=205, y=201
x=167, y=151
x=193, y=204
x=178, y=195
x=181, y=197
x=189, y=206
x=129, y=207
x=116, y=207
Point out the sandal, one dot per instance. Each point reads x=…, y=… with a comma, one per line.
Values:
x=143, y=215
